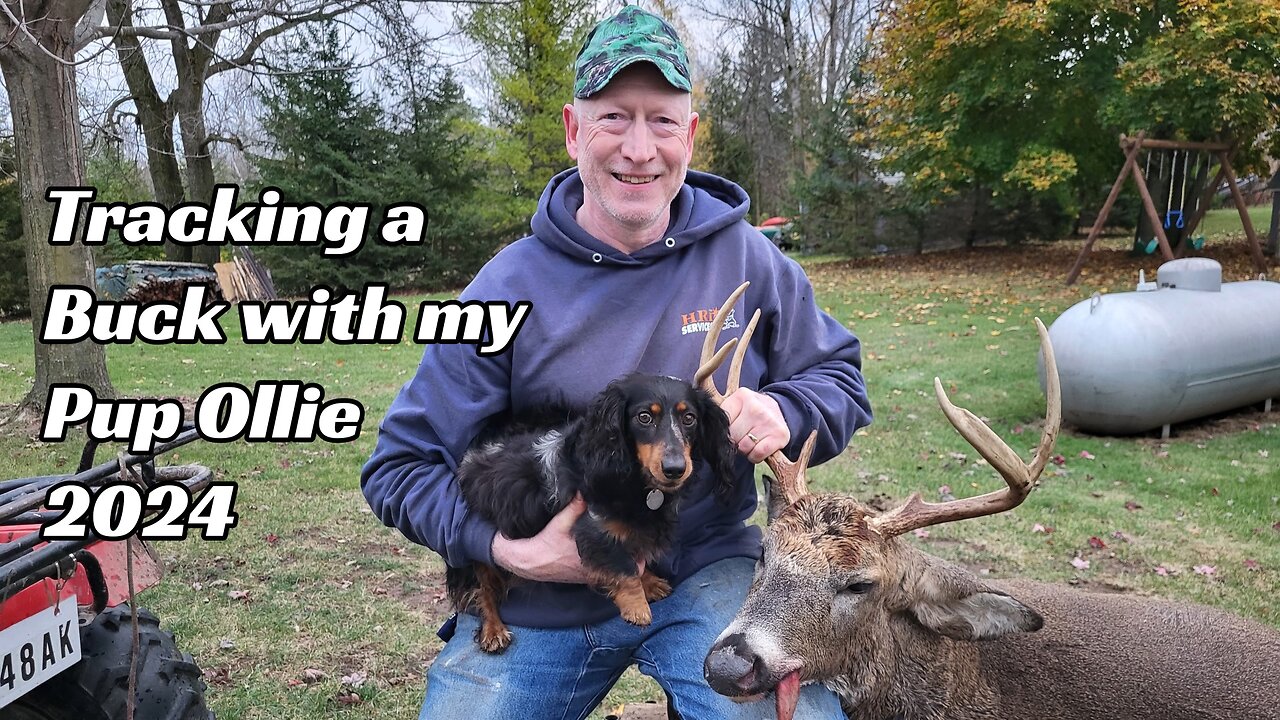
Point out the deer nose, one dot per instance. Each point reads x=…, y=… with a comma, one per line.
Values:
x=731, y=668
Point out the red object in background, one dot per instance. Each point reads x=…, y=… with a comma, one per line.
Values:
x=775, y=220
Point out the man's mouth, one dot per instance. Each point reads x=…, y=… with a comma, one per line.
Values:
x=634, y=179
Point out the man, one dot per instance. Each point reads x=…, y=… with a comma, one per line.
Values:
x=629, y=258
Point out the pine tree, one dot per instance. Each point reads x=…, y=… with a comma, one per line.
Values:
x=329, y=147
x=530, y=47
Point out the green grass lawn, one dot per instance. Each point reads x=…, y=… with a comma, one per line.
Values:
x=1227, y=221
x=311, y=597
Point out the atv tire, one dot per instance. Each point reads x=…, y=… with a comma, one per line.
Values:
x=169, y=684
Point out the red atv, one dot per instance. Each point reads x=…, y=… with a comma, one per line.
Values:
x=70, y=644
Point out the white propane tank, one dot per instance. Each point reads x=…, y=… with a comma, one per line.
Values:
x=1184, y=347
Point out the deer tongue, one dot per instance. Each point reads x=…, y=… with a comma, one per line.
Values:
x=788, y=695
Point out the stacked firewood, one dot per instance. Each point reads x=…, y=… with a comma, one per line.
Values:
x=169, y=289
x=244, y=278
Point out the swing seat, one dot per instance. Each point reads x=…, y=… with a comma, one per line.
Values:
x=1151, y=246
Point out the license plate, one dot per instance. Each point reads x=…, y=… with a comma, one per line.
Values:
x=36, y=649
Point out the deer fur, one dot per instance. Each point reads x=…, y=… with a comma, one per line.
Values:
x=902, y=635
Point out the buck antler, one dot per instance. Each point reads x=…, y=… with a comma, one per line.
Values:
x=916, y=513
x=790, y=479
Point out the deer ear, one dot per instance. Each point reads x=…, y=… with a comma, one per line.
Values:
x=950, y=601
x=774, y=502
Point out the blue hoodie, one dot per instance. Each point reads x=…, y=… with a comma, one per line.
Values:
x=599, y=313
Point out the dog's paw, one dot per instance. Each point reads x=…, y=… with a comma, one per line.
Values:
x=655, y=588
x=638, y=615
x=494, y=640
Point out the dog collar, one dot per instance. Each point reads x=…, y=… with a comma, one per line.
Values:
x=654, y=499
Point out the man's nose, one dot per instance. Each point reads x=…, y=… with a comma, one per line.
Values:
x=638, y=146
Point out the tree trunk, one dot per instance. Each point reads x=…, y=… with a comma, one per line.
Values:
x=43, y=101
x=155, y=118
x=792, y=71
x=189, y=99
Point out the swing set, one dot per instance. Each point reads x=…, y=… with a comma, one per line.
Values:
x=1182, y=169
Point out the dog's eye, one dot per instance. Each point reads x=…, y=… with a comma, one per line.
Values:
x=645, y=418
x=689, y=419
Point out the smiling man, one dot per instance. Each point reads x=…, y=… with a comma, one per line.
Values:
x=630, y=256
x=633, y=140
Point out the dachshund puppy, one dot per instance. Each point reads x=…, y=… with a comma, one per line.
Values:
x=629, y=454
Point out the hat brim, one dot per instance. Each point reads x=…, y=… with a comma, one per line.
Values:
x=606, y=72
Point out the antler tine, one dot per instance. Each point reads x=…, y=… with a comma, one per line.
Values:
x=735, y=366
x=789, y=476
x=711, y=358
x=915, y=513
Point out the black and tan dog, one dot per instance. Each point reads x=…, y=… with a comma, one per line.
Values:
x=629, y=454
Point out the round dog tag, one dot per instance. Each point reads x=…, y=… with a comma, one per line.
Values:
x=654, y=499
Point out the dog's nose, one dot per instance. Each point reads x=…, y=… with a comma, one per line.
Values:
x=673, y=468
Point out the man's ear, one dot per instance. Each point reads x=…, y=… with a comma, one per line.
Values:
x=950, y=601
x=571, y=130
x=693, y=129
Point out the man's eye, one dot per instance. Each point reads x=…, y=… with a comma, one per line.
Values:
x=645, y=418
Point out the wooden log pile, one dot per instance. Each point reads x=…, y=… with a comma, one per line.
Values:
x=169, y=290
x=244, y=278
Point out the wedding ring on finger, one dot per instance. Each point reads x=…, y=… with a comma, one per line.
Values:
x=753, y=437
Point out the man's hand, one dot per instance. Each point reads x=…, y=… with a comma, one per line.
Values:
x=549, y=556
x=756, y=424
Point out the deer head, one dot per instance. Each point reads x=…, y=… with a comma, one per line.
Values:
x=837, y=596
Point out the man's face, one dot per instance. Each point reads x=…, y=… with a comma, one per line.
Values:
x=633, y=141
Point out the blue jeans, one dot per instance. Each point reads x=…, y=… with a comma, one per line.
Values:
x=564, y=673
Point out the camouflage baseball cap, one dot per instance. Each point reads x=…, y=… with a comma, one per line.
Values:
x=631, y=36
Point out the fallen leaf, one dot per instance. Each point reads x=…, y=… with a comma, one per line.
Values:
x=1252, y=565
x=1079, y=563
x=348, y=698
x=1086, y=455
x=1208, y=570
x=1215, y=492
x=921, y=533
x=226, y=643
x=1059, y=460
x=238, y=595
x=1122, y=536
x=1131, y=506
x=355, y=680
x=313, y=675
x=1096, y=543
x=217, y=675
x=1017, y=429
x=1038, y=528
x=1162, y=571
x=271, y=538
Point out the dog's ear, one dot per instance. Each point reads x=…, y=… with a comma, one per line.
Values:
x=714, y=444
x=605, y=434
